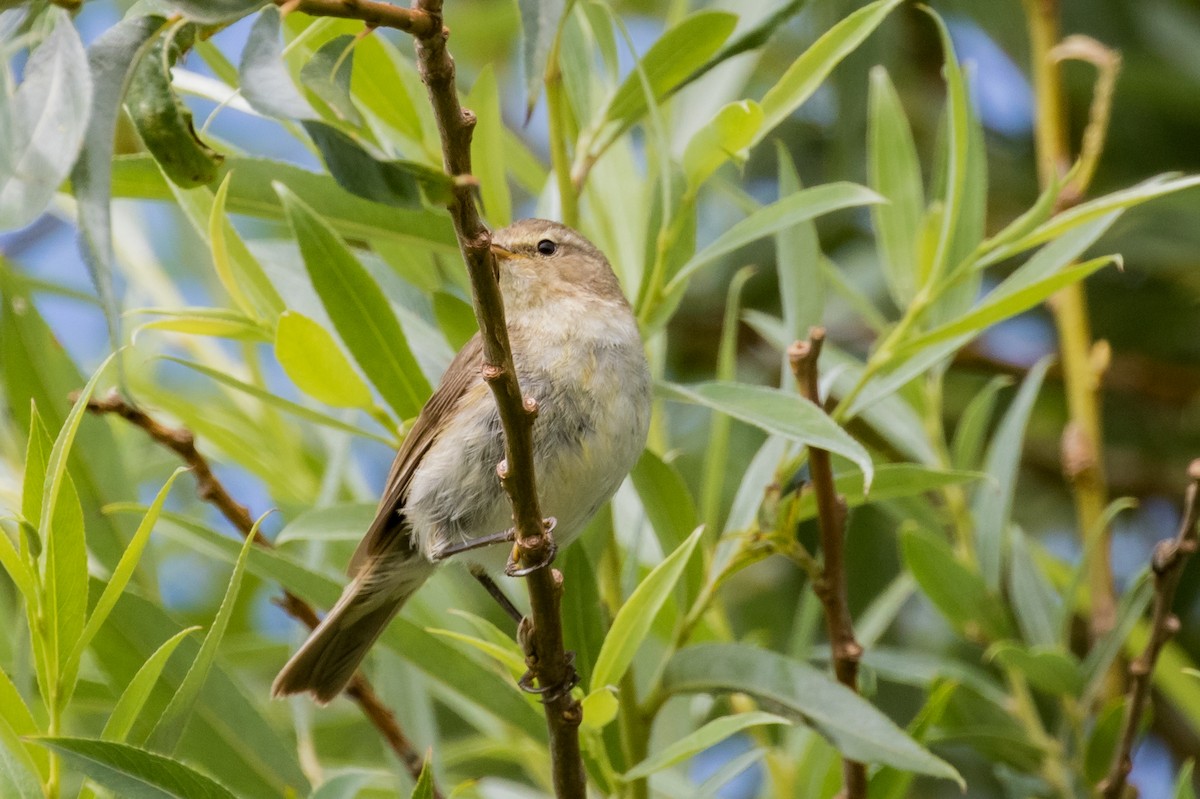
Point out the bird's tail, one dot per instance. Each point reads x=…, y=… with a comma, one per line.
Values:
x=327, y=661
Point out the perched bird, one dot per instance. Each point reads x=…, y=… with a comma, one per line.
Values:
x=578, y=353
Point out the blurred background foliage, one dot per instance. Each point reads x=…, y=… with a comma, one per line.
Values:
x=316, y=449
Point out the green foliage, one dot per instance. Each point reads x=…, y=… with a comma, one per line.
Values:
x=294, y=311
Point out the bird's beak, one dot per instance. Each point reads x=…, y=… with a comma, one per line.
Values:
x=502, y=253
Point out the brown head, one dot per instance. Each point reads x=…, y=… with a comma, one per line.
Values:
x=541, y=261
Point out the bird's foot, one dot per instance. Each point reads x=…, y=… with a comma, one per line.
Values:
x=544, y=549
x=551, y=693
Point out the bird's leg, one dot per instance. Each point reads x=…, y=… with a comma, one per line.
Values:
x=475, y=543
x=497, y=594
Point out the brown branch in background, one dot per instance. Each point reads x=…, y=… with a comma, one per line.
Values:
x=830, y=588
x=181, y=441
x=1167, y=562
x=542, y=638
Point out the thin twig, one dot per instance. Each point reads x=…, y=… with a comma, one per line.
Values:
x=542, y=638
x=375, y=14
x=181, y=441
x=1167, y=562
x=830, y=588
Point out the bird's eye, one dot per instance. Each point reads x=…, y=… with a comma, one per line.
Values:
x=547, y=247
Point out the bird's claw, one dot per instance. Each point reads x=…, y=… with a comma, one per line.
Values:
x=551, y=693
x=514, y=568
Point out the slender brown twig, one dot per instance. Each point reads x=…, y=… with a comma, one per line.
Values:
x=542, y=637
x=830, y=587
x=1167, y=562
x=181, y=441
x=375, y=14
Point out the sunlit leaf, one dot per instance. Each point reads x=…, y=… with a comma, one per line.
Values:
x=129, y=705
x=710, y=734
x=135, y=773
x=314, y=361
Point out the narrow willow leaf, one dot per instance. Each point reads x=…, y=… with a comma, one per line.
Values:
x=814, y=65
x=342, y=522
x=237, y=269
x=633, y=620
x=670, y=507
x=381, y=89
x=798, y=691
x=891, y=379
x=971, y=432
x=65, y=582
x=892, y=481
x=992, y=507
x=755, y=481
x=129, y=705
x=163, y=121
x=111, y=61
x=1035, y=602
x=359, y=310
x=169, y=729
x=1094, y=539
x=327, y=75
x=367, y=174
x=263, y=76
x=1086, y=212
x=251, y=193
x=777, y=412
x=679, y=51
x=424, y=787
x=798, y=263
x=116, y=584
x=895, y=174
x=749, y=39
x=510, y=657
x=710, y=734
x=15, y=713
x=1105, y=651
x=725, y=137
x=300, y=411
x=1049, y=669
x=18, y=773
x=540, y=21
x=1036, y=215
x=134, y=773
x=218, y=322
x=600, y=708
x=48, y=118
x=488, y=153
x=212, y=12
x=314, y=361
x=771, y=219
x=957, y=591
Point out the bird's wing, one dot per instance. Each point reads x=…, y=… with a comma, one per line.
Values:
x=388, y=526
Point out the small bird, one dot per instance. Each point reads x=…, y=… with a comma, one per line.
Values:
x=578, y=353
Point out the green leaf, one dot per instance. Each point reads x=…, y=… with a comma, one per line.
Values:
x=111, y=61
x=116, y=583
x=1034, y=600
x=510, y=656
x=358, y=309
x=992, y=506
x=798, y=263
x=327, y=75
x=710, y=734
x=133, y=698
x=599, y=708
x=1095, y=209
x=797, y=690
x=959, y=593
x=18, y=773
x=1184, y=787
x=957, y=143
x=15, y=713
x=424, y=787
x=971, y=432
x=583, y=627
x=343, y=522
x=275, y=400
x=1105, y=651
x=212, y=12
x=1102, y=741
x=65, y=581
x=891, y=481
x=778, y=412
x=47, y=123
x=633, y=620
x=381, y=87
x=725, y=137
x=134, y=773
x=219, y=322
x=666, y=498
x=262, y=75
x=487, y=148
x=895, y=174
x=169, y=729
x=251, y=193
x=668, y=62
x=365, y=173
x=809, y=71
x=314, y=361
x=162, y=120
x=771, y=219
x=540, y=21
x=1047, y=668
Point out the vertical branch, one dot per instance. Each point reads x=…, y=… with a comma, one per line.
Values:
x=181, y=441
x=1082, y=442
x=830, y=587
x=1167, y=562
x=548, y=662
